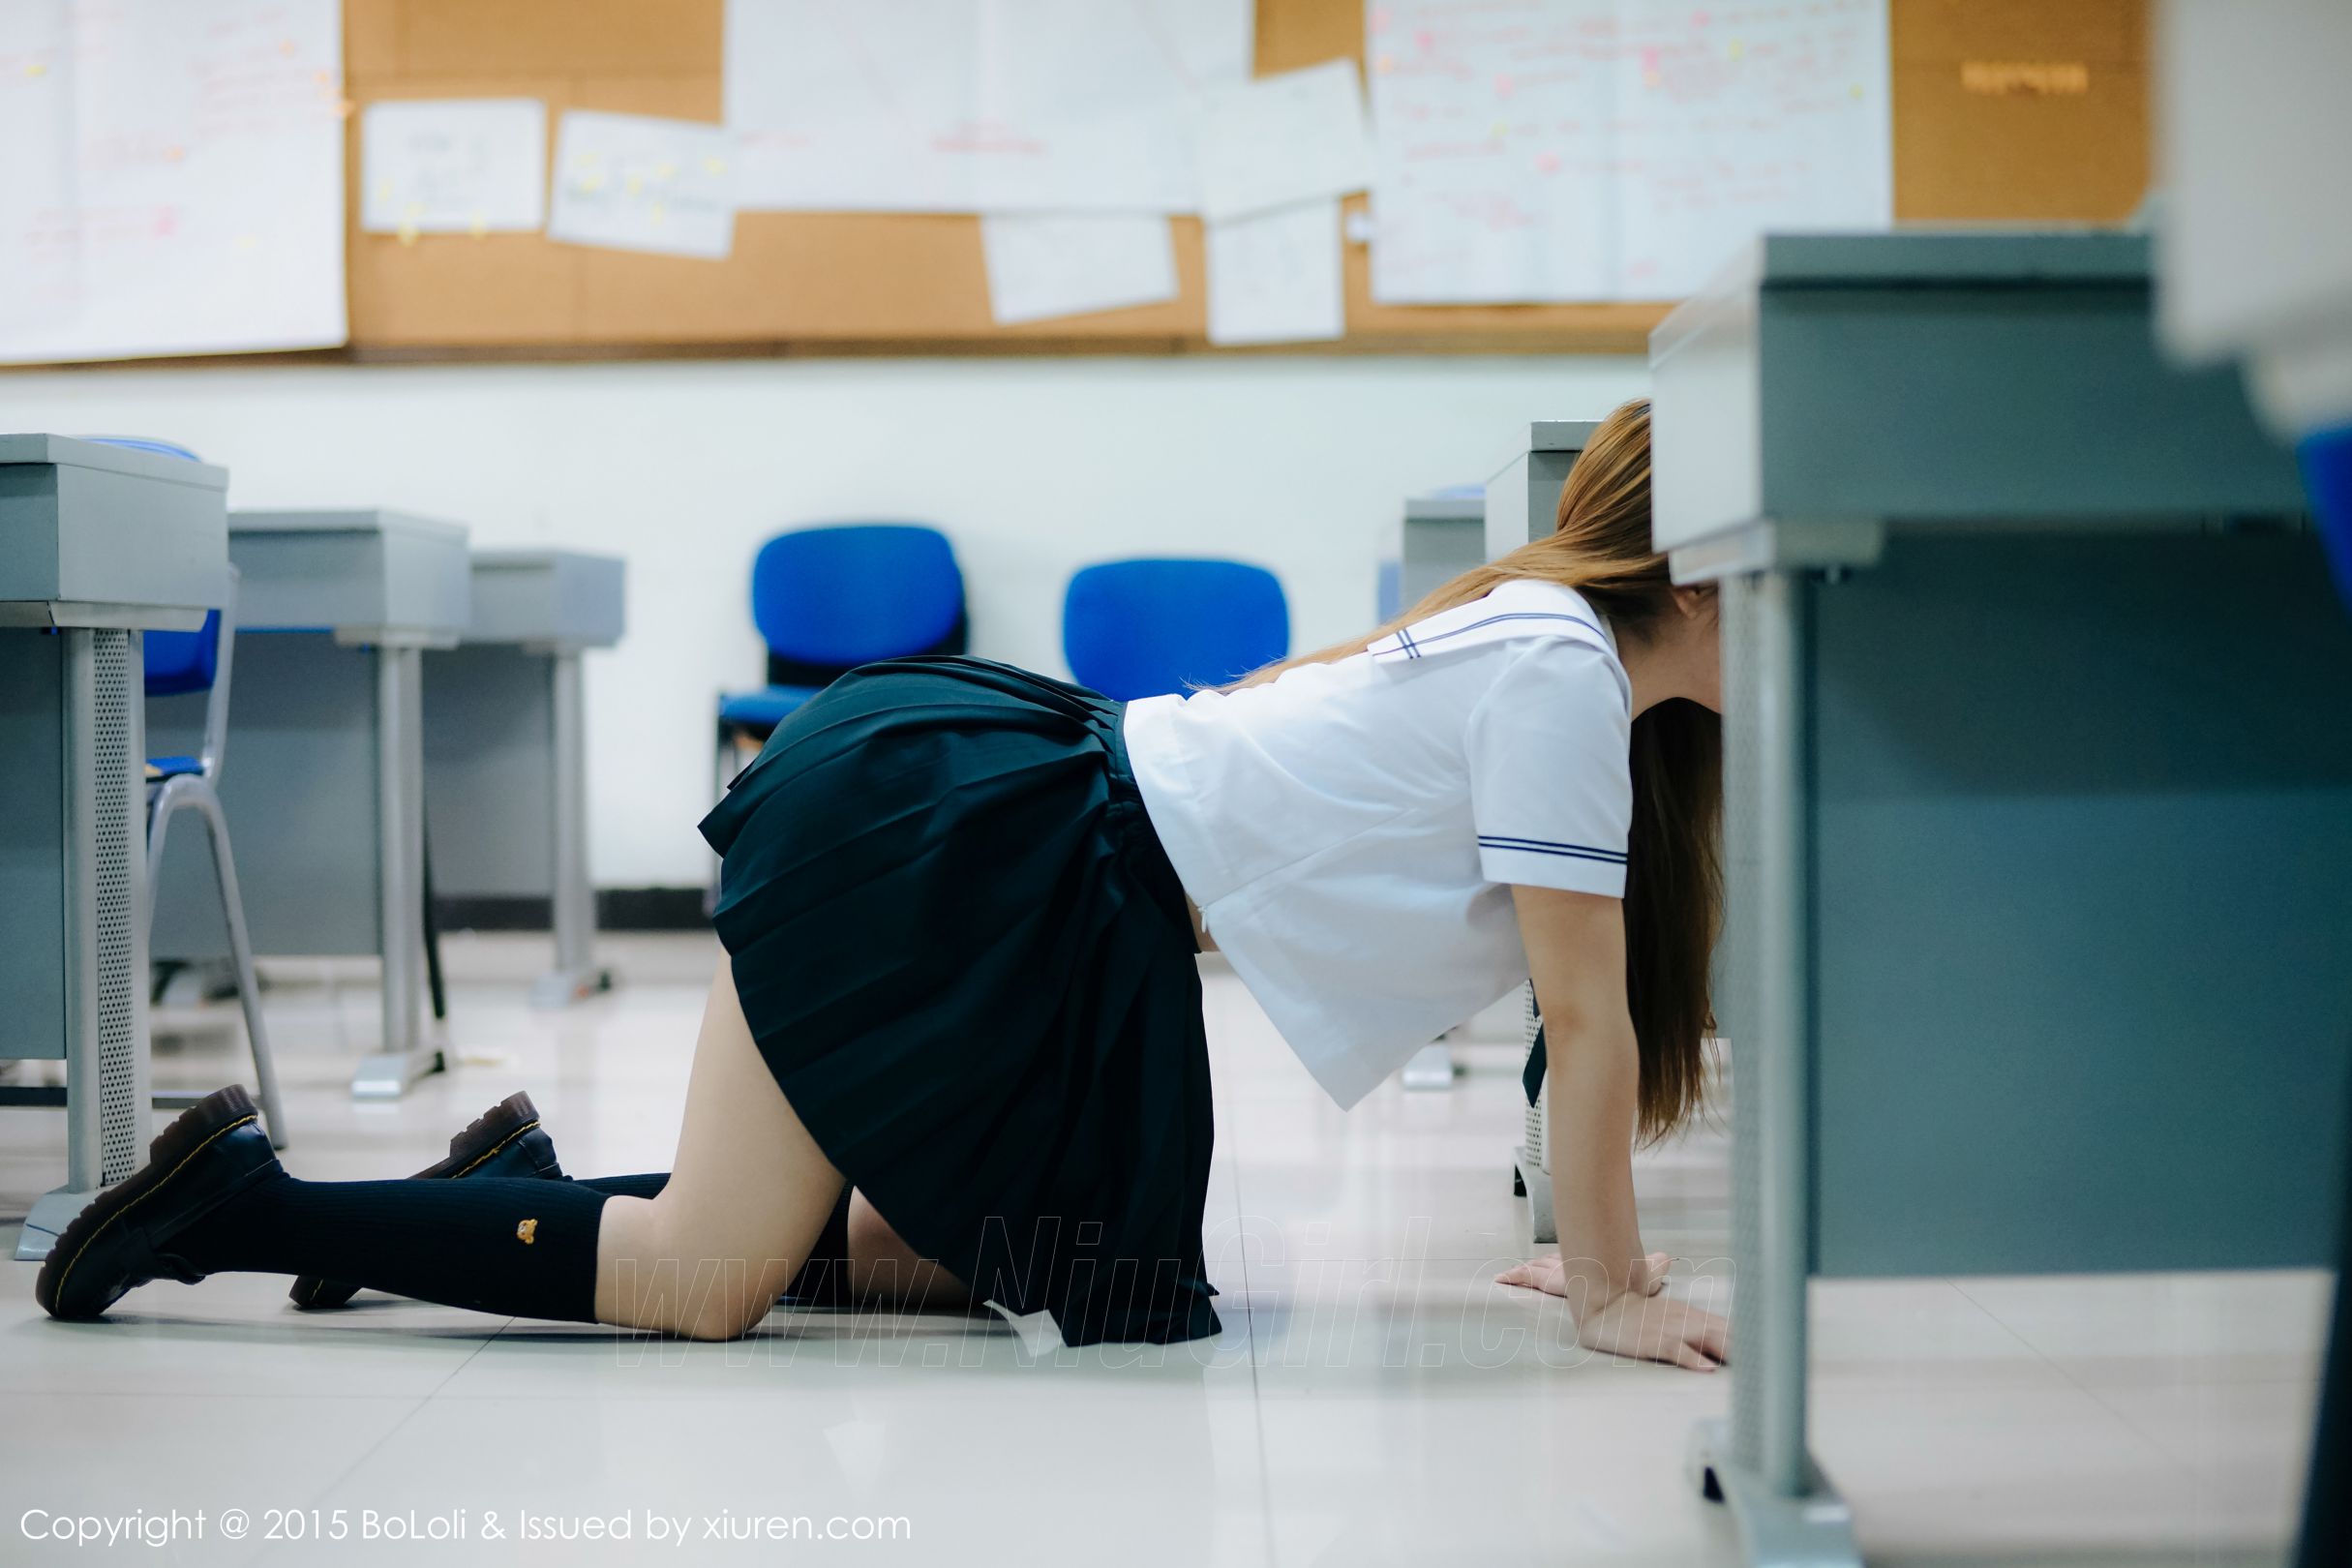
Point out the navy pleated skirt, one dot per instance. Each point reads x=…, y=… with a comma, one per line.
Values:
x=968, y=962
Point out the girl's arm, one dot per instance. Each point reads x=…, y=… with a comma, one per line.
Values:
x=1576, y=951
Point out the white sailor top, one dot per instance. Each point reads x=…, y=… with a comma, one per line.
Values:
x=1350, y=830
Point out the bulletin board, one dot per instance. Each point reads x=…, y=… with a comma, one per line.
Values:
x=2003, y=109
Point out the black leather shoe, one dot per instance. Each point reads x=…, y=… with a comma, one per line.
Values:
x=505, y=1140
x=213, y=1152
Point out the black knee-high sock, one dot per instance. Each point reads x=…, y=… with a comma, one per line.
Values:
x=636, y=1187
x=517, y=1246
x=823, y=1280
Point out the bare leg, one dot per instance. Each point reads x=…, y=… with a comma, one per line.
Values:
x=883, y=1267
x=746, y=1199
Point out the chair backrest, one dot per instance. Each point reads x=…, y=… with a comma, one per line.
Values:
x=831, y=597
x=1142, y=628
x=180, y=662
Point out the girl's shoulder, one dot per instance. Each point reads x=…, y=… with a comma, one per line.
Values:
x=1516, y=611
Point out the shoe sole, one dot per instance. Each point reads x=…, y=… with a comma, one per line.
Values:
x=195, y=1129
x=482, y=1139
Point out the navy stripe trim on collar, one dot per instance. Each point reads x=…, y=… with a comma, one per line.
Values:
x=1545, y=846
x=1511, y=614
x=1414, y=647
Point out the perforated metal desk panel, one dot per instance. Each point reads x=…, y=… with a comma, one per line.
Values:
x=323, y=776
x=2036, y=842
x=505, y=757
x=96, y=537
x=97, y=543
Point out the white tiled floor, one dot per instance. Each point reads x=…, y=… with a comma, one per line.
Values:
x=1374, y=1398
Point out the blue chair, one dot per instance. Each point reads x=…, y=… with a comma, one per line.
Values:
x=178, y=664
x=828, y=599
x=1144, y=628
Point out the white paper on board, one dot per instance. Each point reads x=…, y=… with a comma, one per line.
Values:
x=1767, y=118
x=1275, y=277
x=453, y=165
x=1283, y=140
x=632, y=182
x=1614, y=149
x=1042, y=267
x=40, y=236
x=977, y=105
x=173, y=177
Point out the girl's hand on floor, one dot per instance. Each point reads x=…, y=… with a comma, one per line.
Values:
x=1658, y=1328
x=1549, y=1275
x=1641, y=1321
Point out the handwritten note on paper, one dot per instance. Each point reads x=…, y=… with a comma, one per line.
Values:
x=631, y=182
x=977, y=105
x=1049, y=266
x=453, y=165
x=1275, y=277
x=1767, y=116
x=192, y=201
x=1283, y=140
x=1614, y=149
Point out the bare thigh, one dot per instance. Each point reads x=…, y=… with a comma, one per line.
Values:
x=883, y=1267
x=747, y=1197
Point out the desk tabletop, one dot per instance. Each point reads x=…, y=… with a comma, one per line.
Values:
x=349, y=520
x=1933, y=255
x=548, y=595
x=109, y=537
x=365, y=574
x=1458, y=503
x=1847, y=384
x=83, y=452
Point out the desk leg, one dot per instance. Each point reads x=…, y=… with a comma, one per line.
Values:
x=576, y=975
x=1756, y=1463
x=399, y=825
x=106, y=1061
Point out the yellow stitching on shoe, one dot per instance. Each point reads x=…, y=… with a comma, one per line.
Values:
x=145, y=1196
x=497, y=1149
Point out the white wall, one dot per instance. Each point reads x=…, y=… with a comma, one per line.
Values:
x=1031, y=467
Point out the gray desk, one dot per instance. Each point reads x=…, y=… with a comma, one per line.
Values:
x=505, y=756
x=1445, y=535
x=325, y=800
x=2039, y=804
x=96, y=544
x=1522, y=504
x=1523, y=495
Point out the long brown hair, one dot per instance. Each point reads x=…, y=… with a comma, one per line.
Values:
x=1599, y=546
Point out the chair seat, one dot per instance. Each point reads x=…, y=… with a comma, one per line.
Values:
x=160, y=768
x=762, y=709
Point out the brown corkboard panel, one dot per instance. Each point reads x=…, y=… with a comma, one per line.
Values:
x=2020, y=108
x=2003, y=108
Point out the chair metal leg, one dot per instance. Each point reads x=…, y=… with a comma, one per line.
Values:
x=241, y=953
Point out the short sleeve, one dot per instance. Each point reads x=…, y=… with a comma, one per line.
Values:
x=1551, y=780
